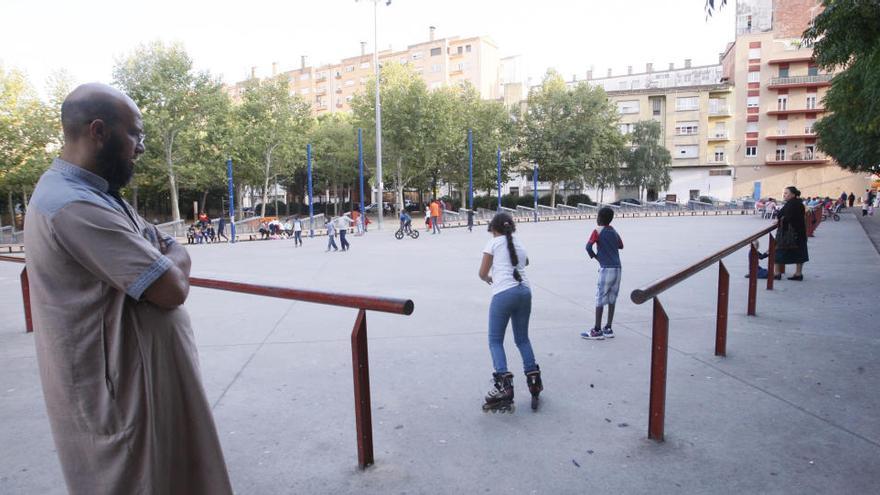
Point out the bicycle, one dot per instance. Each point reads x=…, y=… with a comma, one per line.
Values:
x=408, y=231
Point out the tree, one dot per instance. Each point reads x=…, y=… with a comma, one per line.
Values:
x=172, y=98
x=846, y=36
x=334, y=152
x=568, y=131
x=407, y=124
x=648, y=161
x=29, y=131
x=273, y=125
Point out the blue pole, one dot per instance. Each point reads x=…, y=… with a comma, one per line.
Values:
x=231, y=198
x=535, y=189
x=361, y=167
x=471, y=169
x=498, y=159
x=311, y=206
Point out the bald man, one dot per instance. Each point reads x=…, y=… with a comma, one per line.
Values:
x=116, y=352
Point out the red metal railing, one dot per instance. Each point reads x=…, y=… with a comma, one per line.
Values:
x=359, y=356
x=660, y=326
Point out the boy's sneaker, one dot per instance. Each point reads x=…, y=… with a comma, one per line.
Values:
x=609, y=333
x=594, y=334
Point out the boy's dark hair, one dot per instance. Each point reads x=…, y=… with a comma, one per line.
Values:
x=503, y=224
x=606, y=214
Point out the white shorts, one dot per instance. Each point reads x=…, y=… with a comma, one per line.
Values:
x=608, y=286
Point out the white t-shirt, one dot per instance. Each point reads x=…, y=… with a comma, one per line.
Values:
x=502, y=269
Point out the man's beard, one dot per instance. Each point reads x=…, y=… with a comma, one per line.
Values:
x=117, y=171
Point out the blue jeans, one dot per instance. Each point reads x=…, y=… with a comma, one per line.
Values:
x=514, y=304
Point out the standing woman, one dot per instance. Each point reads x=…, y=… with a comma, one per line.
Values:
x=503, y=267
x=791, y=237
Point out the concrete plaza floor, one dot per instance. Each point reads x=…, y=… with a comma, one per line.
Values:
x=793, y=408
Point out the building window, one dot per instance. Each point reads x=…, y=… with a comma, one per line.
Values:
x=809, y=151
x=717, y=173
x=514, y=191
x=365, y=65
x=435, y=51
x=349, y=83
x=813, y=70
x=627, y=107
x=717, y=106
x=780, y=153
x=626, y=128
x=462, y=66
x=751, y=127
x=656, y=106
x=417, y=55
x=719, y=155
x=783, y=72
x=811, y=102
x=467, y=48
x=349, y=68
x=460, y=50
x=808, y=126
x=687, y=151
x=687, y=128
x=348, y=98
x=436, y=67
x=782, y=102
x=687, y=103
x=304, y=77
x=782, y=128
x=751, y=151
x=754, y=53
x=621, y=85
x=754, y=76
x=752, y=101
x=363, y=80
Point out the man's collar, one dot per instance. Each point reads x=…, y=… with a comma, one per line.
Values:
x=80, y=174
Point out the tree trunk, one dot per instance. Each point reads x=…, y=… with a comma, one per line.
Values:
x=204, y=202
x=266, y=184
x=24, y=196
x=601, y=195
x=172, y=180
x=11, y=209
x=399, y=184
x=552, y=195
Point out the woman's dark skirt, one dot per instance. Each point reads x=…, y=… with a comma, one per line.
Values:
x=792, y=256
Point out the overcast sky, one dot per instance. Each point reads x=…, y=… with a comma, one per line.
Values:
x=228, y=37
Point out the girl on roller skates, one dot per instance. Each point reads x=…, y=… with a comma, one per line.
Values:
x=503, y=267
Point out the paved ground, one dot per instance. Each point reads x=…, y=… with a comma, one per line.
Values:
x=871, y=224
x=792, y=409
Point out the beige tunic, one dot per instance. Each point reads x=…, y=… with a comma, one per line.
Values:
x=120, y=376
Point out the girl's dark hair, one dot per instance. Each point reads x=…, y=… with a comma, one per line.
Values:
x=503, y=224
x=794, y=191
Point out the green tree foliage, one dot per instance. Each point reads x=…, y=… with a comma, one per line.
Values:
x=570, y=132
x=647, y=163
x=273, y=126
x=29, y=133
x=176, y=103
x=846, y=35
x=334, y=153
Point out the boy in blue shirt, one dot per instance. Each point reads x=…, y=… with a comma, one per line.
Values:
x=608, y=244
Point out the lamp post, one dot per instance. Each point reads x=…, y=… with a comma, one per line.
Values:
x=379, y=185
x=535, y=189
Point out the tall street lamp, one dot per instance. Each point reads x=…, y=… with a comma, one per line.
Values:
x=379, y=184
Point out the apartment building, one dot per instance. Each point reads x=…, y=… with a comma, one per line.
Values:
x=440, y=62
x=695, y=108
x=780, y=90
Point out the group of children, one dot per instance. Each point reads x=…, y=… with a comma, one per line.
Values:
x=503, y=268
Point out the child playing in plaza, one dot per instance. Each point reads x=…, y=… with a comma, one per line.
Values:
x=608, y=244
x=762, y=272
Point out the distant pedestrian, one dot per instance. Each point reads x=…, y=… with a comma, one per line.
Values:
x=435, y=217
x=297, y=232
x=503, y=268
x=470, y=220
x=866, y=202
x=221, y=229
x=442, y=210
x=427, y=218
x=851, y=199
x=843, y=198
x=608, y=244
x=343, y=229
x=331, y=235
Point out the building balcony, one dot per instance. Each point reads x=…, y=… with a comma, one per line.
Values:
x=797, y=158
x=714, y=159
x=808, y=133
x=801, y=81
x=794, y=60
x=793, y=111
x=719, y=112
x=719, y=136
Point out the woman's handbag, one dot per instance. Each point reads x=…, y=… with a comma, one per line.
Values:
x=786, y=238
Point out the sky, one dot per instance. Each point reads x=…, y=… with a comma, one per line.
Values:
x=86, y=38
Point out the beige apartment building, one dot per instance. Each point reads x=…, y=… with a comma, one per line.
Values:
x=780, y=91
x=743, y=127
x=440, y=62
